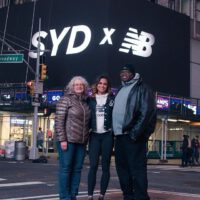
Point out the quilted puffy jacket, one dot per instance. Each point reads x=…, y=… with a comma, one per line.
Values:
x=72, y=119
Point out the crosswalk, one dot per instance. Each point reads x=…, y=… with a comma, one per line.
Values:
x=56, y=197
x=83, y=194
x=112, y=193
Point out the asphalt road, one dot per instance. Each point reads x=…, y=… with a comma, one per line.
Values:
x=27, y=180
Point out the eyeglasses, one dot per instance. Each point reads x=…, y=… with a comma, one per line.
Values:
x=78, y=84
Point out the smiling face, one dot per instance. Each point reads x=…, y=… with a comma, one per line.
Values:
x=102, y=86
x=126, y=75
x=78, y=86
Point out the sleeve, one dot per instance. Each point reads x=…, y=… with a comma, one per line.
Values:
x=60, y=119
x=146, y=115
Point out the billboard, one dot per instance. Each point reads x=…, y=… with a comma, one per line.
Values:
x=91, y=38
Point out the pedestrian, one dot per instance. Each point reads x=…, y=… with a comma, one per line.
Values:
x=101, y=137
x=72, y=131
x=134, y=120
x=195, y=151
x=184, y=148
x=40, y=138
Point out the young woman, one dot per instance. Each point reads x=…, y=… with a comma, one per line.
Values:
x=101, y=137
x=72, y=130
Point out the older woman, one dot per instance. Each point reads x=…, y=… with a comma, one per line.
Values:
x=71, y=126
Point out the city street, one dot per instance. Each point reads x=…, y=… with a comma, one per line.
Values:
x=27, y=180
x=109, y=75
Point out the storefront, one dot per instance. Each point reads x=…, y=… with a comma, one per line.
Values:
x=18, y=127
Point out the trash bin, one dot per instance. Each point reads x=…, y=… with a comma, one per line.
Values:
x=20, y=150
x=9, y=148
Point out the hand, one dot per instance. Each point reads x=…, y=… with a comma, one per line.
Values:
x=63, y=145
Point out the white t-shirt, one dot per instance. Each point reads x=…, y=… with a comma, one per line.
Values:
x=100, y=111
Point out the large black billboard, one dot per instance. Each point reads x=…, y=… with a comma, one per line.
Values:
x=90, y=38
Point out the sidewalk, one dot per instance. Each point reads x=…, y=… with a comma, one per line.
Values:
x=52, y=157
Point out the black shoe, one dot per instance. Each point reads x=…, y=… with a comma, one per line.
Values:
x=128, y=197
x=101, y=197
x=73, y=198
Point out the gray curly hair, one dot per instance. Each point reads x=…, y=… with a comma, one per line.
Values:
x=70, y=86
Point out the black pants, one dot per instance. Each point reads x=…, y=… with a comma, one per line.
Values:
x=99, y=144
x=131, y=165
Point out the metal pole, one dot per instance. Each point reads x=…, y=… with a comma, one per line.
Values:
x=5, y=28
x=34, y=149
x=194, y=18
x=165, y=141
x=44, y=137
x=163, y=121
x=48, y=127
x=180, y=6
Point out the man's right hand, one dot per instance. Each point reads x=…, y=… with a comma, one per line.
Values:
x=63, y=145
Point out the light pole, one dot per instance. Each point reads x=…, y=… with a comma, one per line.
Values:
x=34, y=150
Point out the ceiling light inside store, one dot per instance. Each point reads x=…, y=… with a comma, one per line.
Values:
x=172, y=120
x=176, y=129
x=182, y=120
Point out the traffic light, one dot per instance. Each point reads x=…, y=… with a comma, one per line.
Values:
x=30, y=88
x=46, y=112
x=43, y=72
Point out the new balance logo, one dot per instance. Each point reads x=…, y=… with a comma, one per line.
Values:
x=140, y=45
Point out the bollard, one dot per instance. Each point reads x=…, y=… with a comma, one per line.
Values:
x=20, y=150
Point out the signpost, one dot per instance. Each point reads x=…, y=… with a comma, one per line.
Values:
x=11, y=58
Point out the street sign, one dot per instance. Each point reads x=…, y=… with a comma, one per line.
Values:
x=35, y=104
x=39, y=88
x=11, y=58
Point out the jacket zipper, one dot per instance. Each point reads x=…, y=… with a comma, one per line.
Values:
x=83, y=119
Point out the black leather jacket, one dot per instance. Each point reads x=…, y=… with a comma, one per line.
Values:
x=107, y=115
x=141, y=115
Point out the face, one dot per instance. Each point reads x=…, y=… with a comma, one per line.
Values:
x=78, y=86
x=102, y=86
x=126, y=75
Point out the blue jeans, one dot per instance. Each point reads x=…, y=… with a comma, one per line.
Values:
x=71, y=162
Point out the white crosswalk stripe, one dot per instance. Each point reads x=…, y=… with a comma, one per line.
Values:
x=21, y=184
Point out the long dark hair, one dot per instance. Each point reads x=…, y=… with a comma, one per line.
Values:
x=94, y=86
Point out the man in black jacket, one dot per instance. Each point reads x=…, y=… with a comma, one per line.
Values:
x=134, y=119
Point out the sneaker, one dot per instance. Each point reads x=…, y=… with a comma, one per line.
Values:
x=90, y=197
x=101, y=197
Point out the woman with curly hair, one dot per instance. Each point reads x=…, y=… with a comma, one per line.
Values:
x=72, y=131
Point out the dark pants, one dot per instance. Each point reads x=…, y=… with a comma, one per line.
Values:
x=131, y=165
x=71, y=162
x=39, y=143
x=184, y=158
x=99, y=144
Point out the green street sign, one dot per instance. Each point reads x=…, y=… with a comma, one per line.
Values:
x=11, y=58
